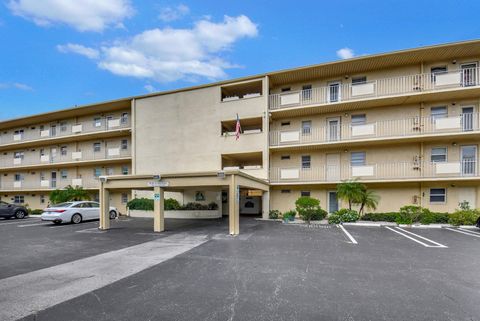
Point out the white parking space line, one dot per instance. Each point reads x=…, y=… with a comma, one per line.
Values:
x=91, y=230
x=466, y=232
x=347, y=234
x=47, y=287
x=35, y=224
x=437, y=245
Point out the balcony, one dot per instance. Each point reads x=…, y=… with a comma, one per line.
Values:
x=64, y=130
x=377, y=172
x=387, y=87
x=71, y=157
x=385, y=129
x=48, y=184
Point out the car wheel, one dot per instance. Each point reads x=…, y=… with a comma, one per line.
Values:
x=20, y=214
x=113, y=215
x=76, y=218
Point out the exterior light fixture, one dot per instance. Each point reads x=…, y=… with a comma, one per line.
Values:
x=221, y=174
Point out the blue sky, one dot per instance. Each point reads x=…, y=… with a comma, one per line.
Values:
x=60, y=53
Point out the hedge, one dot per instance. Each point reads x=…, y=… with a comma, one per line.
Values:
x=170, y=204
x=425, y=217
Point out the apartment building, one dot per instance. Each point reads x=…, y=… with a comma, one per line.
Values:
x=404, y=123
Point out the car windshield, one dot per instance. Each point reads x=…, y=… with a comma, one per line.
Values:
x=62, y=205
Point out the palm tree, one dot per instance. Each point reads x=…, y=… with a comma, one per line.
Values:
x=368, y=199
x=350, y=191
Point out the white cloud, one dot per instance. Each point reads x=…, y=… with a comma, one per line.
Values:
x=79, y=49
x=149, y=88
x=15, y=85
x=173, y=13
x=83, y=15
x=171, y=54
x=345, y=53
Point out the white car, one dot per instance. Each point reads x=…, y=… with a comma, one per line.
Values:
x=75, y=212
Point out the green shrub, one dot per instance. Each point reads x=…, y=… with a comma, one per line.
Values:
x=343, y=215
x=380, y=217
x=36, y=211
x=408, y=214
x=464, y=217
x=308, y=209
x=427, y=217
x=274, y=214
x=141, y=204
x=289, y=215
x=212, y=206
x=171, y=204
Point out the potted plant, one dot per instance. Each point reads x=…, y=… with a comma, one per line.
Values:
x=289, y=216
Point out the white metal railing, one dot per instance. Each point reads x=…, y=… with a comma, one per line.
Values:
x=66, y=129
x=385, y=87
x=377, y=171
x=407, y=127
x=34, y=158
x=48, y=184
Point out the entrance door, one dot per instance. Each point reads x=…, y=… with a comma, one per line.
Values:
x=469, y=74
x=53, y=180
x=333, y=128
x=53, y=130
x=467, y=194
x=334, y=92
x=53, y=154
x=332, y=202
x=467, y=118
x=333, y=167
x=469, y=160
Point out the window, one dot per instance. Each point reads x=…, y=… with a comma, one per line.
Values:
x=97, y=172
x=18, y=155
x=63, y=126
x=124, y=144
x=124, y=118
x=125, y=170
x=359, y=80
x=305, y=193
x=285, y=123
x=358, y=158
x=63, y=150
x=18, y=177
x=306, y=162
x=437, y=70
x=42, y=199
x=438, y=155
x=438, y=195
x=124, y=198
x=286, y=89
x=64, y=174
x=97, y=147
x=109, y=171
x=285, y=191
x=42, y=152
x=306, y=127
x=307, y=92
x=97, y=122
x=285, y=157
x=19, y=199
x=359, y=119
x=439, y=112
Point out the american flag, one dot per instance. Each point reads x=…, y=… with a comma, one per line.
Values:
x=238, y=129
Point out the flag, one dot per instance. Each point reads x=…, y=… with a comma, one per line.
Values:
x=238, y=129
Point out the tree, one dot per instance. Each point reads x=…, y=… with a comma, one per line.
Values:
x=351, y=191
x=368, y=199
x=308, y=208
x=68, y=194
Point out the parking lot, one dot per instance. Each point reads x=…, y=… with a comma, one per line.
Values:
x=271, y=271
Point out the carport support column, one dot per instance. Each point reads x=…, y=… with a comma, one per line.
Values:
x=158, y=210
x=104, y=208
x=265, y=204
x=234, y=207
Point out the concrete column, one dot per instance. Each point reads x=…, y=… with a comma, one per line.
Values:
x=158, y=210
x=234, y=207
x=104, y=208
x=265, y=204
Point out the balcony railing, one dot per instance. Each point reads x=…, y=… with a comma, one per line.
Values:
x=29, y=159
x=67, y=129
x=393, y=86
x=408, y=127
x=48, y=184
x=378, y=171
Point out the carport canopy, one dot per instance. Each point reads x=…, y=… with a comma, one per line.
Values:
x=231, y=180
